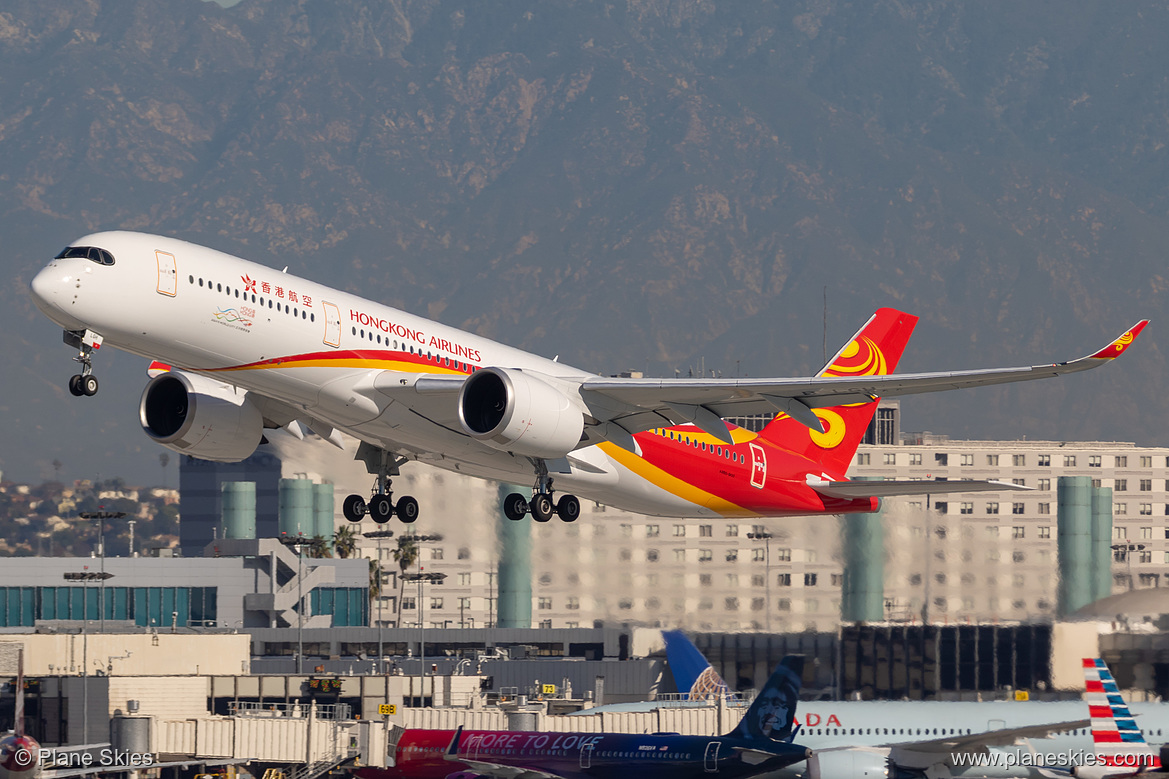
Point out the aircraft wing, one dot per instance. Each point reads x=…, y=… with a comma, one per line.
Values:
x=922, y=754
x=642, y=404
x=887, y=489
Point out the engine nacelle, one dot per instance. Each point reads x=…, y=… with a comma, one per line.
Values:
x=517, y=412
x=193, y=415
x=848, y=764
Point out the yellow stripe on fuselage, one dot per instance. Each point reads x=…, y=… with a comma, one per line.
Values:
x=673, y=484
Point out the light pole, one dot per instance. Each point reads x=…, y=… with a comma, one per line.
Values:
x=766, y=538
x=101, y=517
x=379, y=535
x=435, y=578
x=1128, y=549
x=298, y=541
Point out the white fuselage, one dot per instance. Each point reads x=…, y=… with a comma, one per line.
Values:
x=245, y=324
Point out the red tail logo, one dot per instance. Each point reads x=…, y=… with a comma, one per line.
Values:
x=873, y=351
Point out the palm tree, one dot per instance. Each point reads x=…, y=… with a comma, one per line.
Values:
x=318, y=547
x=405, y=556
x=375, y=580
x=345, y=542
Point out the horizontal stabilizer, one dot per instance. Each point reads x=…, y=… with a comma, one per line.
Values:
x=889, y=489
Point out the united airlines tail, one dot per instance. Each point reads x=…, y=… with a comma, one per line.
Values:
x=693, y=675
x=873, y=351
x=772, y=714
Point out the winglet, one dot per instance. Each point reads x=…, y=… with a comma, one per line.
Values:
x=1117, y=347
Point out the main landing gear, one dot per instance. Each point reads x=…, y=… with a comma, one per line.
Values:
x=84, y=383
x=541, y=507
x=381, y=505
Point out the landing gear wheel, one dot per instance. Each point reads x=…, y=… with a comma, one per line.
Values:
x=88, y=385
x=541, y=507
x=354, y=508
x=515, y=507
x=75, y=386
x=568, y=508
x=381, y=509
x=407, y=509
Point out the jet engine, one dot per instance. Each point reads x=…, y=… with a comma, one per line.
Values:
x=848, y=764
x=517, y=412
x=194, y=415
x=19, y=754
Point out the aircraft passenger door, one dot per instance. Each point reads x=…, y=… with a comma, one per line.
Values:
x=168, y=274
x=332, y=324
x=586, y=756
x=711, y=761
x=758, y=466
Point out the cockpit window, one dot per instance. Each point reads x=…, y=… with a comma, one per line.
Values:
x=91, y=253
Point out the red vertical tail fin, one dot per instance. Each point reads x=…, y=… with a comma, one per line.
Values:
x=873, y=351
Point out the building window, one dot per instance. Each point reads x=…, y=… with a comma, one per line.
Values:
x=992, y=459
x=1018, y=557
x=862, y=458
x=1145, y=557
x=705, y=555
x=968, y=459
x=732, y=555
x=1146, y=533
x=1119, y=533
x=757, y=604
x=758, y=580
x=837, y=580
x=941, y=506
x=1043, y=508
x=783, y=604
x=1044, y=461
x=967, y=507
x=732, y=531
x=809, y=580
x=705, y=531
x=408, y=603
x=651, y=555
x=1146, y=461
x=1093, y=461
x=783, y=555
x=545, y=624
x=652, y=531
x=1146, y=485
x=679, y=555
x=1069, y=461
x=1146, y=509
x=992, y=507
x=941, y=458
x=572, y=603
x=1018, y=459
x=1044, y=485
x=704, y=580
x=1045, y=532
x=731, y=604
x=1120, y=485
x=1018, y=532
x=784, y=580
x=1017, y=508
x=757, y=556
x=1121, y=461
x=464, y=580
x=915, y=459
x=890, y=458
x=679, y=531
x=436, y=603
x=1119, y=509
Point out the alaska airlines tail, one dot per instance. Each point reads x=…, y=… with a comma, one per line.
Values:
x=773, y=713
x=693, y=675
x=1121, y=749
x=873, y=351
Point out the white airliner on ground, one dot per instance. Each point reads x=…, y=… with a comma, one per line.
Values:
x=244, y=347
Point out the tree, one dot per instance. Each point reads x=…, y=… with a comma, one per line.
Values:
x=375, y=580
x=318, y=547
x=345, y=542
x=405, y=556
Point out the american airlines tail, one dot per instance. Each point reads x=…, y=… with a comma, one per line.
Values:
x=1121, y=749
x=873, y=351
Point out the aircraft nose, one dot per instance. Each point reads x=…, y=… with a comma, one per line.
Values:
x=46, y=286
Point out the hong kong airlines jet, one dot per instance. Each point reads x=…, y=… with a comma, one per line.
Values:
x=240, y=347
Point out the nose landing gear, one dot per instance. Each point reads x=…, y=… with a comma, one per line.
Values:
x=85, y=342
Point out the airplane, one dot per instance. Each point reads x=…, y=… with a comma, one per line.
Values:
x=238, y=348
x=761, y=742
x=19, y=752
x=1121, y=749
x=855, y=739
